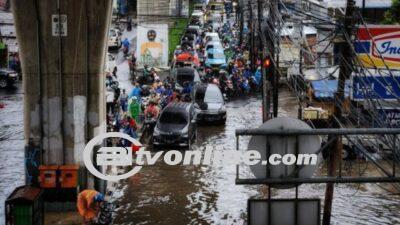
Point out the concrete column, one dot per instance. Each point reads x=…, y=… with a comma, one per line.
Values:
x=63, y=76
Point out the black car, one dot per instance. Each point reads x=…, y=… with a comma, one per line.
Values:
x=188, y=41
x=185, y=75
x=7, y=77
x=209, y=103
x=176, y=126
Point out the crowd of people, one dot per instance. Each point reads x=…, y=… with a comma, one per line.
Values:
x=128, y=110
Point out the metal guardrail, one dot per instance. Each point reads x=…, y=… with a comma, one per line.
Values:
x=296, y=132
x=389, y=178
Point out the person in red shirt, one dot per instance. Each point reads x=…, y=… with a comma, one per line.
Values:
x=152, y=111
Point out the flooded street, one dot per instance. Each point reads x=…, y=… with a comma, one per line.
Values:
x=11, y=143
x=183, y=195
x=164, y=194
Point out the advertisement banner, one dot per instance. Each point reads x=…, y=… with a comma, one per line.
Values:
x=376, y=87
x=389, y=118
x=4, y=5
x=152, y=45
x=378, y=45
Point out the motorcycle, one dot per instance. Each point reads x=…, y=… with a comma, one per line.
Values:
x=147, y=129
x=106, y=214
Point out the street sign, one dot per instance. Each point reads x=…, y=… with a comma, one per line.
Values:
x=284, y=211
x=280, y=144
x=376, y=88
x=59, y=25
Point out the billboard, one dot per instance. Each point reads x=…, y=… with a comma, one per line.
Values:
x=389, y=117
x=377, y=45
x=4, y=5
x=376, y=87
x=152, y=45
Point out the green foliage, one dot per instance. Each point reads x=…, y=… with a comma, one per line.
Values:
x=392, y=16
x=175, y=34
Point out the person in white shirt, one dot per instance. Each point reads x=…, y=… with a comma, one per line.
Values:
x=110, y=100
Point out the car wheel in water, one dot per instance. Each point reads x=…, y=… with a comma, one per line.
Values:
x=3, y=83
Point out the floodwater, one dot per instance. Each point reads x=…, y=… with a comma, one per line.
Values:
x=182, y=195
x=11, y=143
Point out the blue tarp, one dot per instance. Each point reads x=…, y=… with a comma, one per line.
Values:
x=325, y=89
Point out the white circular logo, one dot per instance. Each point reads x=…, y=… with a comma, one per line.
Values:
x=111, y=156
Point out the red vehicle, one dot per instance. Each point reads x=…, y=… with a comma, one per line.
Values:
x=188, y=57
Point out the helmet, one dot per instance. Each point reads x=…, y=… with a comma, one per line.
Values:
x=99, y=198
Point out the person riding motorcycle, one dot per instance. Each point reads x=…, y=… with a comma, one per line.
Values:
x=152, y=111
x=146, y=70
x=88, y=204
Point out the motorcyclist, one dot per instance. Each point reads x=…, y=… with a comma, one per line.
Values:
x=88, y=204
x=126, y=45
x=134, y=108
x=152, y=111
x=154, y=75
x=146, y=70
x=178, y=51
x=187, y=88
x=247, y=72
x=137, y=92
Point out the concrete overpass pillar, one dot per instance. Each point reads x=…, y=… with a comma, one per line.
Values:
x=63, y=76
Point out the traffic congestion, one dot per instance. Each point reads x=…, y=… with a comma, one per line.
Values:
x=209, y=67
x=150, y=115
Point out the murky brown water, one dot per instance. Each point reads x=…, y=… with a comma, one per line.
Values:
x=182, y=195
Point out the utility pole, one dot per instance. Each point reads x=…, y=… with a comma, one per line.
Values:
x=345, y=73
x=272, y=74
x=264, y=90
x=297, y=86
x=241, y=5
x=275, y=96
x=270, y=56
x=251, y=30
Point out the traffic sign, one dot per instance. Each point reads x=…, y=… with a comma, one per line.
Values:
x=280, y=144
x=376, y=88
x=59, y=25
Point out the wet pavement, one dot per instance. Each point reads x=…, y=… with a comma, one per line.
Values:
x=181, y=195
x=11, y=143
x=184, y=195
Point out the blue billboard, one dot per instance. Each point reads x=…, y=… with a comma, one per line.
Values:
x=376, y=88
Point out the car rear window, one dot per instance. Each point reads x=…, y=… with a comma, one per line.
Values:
x=173, y=118
x=213, y=95
x=216, y=7
x=216, y=55
x=182, y=78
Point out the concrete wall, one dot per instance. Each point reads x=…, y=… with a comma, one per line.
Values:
x=63, y=76
x=160, y=10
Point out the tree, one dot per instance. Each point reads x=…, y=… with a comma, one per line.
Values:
x=392, y=16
